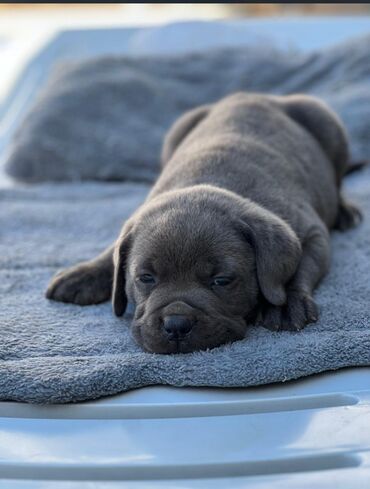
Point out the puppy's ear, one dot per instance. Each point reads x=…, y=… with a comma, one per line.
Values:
x=121, y=250
x=277, y=250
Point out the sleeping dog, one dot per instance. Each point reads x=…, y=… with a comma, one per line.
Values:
x=235, y=230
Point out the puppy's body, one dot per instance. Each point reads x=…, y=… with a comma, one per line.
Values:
x=236, y=227
x=250, y=145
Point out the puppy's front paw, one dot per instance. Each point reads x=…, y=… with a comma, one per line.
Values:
x=299, y=311
x=82, y=284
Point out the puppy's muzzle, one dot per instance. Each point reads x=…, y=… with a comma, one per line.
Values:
x=178, y=320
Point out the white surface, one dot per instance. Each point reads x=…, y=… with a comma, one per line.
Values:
x=316, y=429
x=311, y=433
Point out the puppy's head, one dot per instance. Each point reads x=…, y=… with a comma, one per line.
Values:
x=195, y=263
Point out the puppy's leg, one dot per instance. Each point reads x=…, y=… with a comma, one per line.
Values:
x=180, y=129
x=324, y=125
x=349, y=216
x=300, y=308
x=87, y=283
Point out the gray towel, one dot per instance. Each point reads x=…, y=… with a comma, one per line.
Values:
x=53, y=352
x=105, y=119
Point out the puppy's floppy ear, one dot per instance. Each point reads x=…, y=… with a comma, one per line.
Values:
x=277, y=248
x=121, y=250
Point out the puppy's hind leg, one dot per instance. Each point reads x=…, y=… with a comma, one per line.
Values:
x=87, y=283
x=323, y=124
x=300, y=308
x=348, y=217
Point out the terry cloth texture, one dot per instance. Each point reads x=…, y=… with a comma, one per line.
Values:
x=52, y=352
x=105, y=119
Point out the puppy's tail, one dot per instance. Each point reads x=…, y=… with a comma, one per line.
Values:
x=354, y=166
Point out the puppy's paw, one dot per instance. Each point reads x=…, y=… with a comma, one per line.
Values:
x=82, y=284
x=349, y=216
x=299, y=310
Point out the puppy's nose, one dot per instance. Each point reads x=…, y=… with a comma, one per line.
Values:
x=177, y=326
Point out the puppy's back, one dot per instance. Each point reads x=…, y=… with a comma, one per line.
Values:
x=250, y=144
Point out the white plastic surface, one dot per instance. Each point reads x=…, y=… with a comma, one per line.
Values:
x=315, y=429
x=312, y=433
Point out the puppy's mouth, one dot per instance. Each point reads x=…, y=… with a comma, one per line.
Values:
x=176, y=346
x=205, y=334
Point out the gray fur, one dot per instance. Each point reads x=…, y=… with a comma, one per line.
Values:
x=249, y=189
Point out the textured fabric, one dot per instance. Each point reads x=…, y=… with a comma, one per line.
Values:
x=105, y=119
x=53, y=352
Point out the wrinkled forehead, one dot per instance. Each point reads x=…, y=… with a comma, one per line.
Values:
x=204, y=248
x=186, y=263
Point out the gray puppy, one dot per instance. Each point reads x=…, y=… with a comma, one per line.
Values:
x=235, y=229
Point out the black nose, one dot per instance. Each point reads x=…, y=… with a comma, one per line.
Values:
x=176, y=326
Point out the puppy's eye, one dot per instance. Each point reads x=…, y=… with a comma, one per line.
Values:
x=221, y=281
x=146, y=278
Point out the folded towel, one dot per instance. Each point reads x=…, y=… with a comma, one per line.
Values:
x=105, y=119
